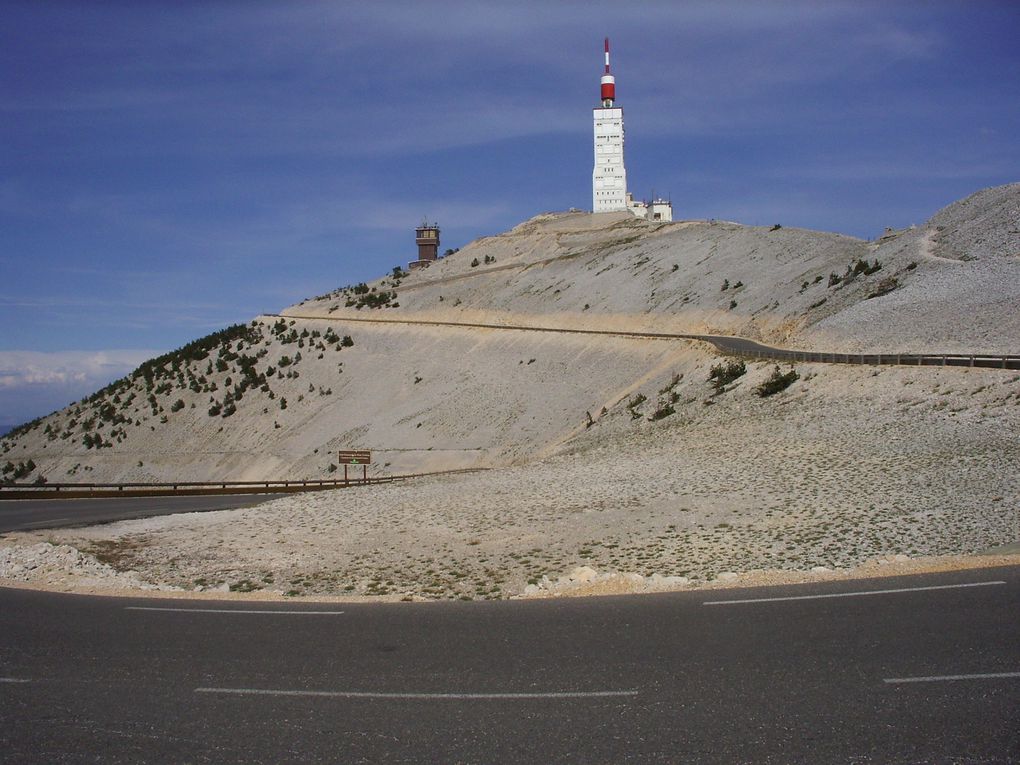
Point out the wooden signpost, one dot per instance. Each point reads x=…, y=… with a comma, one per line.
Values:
x=361, y=457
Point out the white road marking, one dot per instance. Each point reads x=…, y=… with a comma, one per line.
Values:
x=231, y=611
x=945, y=678
x=850, y=594
x=418, y=696
x=13, y=680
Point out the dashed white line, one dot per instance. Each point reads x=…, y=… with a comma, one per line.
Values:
x=850, y=594
x=233, y=611
x=419, y=696
x=13, y=680
x=947, y=678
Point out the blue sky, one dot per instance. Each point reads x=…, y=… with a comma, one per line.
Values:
x=170, y=168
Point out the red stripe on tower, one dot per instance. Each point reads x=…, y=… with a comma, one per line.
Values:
x=608, y=82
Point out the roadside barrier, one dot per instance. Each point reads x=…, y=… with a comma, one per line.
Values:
x=876, y=359
x=194, y=488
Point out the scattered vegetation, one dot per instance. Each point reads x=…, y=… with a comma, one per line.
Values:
x=634, y=404
x=373, y=299
x=859, y=267
x=12, y=472
x=722, y=375
x=664, y=410
x=778, y=381
x=884, y=287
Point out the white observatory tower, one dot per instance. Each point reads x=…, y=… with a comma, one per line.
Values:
x=609, y=178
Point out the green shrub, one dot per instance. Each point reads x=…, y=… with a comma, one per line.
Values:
x=634, y=403
x=884, y=287
x=777, y=382
x=722, y=375
x=863, y=267
x=663, y=411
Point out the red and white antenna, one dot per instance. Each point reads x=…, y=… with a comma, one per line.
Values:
x=608, y=83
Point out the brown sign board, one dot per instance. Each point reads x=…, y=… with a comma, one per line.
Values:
x=356, y=457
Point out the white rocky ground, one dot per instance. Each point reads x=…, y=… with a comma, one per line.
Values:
x=845, y=467
x=848, y=465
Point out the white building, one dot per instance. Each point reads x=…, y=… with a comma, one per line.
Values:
x=609, y=177
x=659, y=210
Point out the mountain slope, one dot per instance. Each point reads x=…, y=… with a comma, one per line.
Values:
x=276, y=398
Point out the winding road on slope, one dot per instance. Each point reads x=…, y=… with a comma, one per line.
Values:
x=727, y=344
x=922, y=669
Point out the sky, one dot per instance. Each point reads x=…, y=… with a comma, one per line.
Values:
x=170, y=168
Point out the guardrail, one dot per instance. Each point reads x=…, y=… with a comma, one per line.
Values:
x=193, y=488
x=883, y=359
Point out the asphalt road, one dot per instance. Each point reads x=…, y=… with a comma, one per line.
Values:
x=34, y=514
x=917, y=676
x=724, y=343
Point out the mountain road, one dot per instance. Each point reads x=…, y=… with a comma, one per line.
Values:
x=901, y=670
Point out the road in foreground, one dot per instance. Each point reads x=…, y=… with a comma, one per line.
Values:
x=35, y=514
x=927, y=673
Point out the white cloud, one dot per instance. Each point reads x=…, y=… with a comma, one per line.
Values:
x=35, y=383
x=26, y=369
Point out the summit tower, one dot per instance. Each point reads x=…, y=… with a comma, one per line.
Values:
x=609, y=178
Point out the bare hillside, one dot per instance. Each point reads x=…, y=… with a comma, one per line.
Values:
x=951, y=285
x=622, y=463
x=278, y=397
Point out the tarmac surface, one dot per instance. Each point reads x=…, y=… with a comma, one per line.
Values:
x=35, y=514
x=920, y=669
